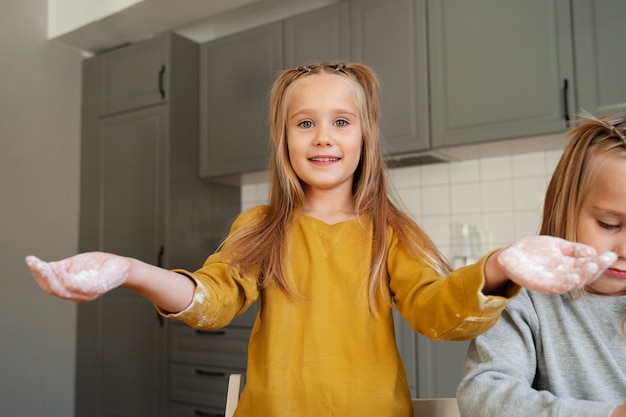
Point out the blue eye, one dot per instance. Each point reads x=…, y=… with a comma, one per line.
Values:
x=306, y=124
x=341, y=123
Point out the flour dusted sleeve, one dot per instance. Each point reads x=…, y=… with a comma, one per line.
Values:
x=440, y=307
x=222, y=292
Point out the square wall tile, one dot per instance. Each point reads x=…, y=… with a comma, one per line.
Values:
x=499, y=227
x=528, y=193
x=496, y=168
x=527, y=223
x=405, y=177
x=528, y=164
x=496, y=195
x=435, y=200
x=438, y=229
x=435, y=174
x=465, y=198
x=551, y=160
x=464, y=171
x=410, y=197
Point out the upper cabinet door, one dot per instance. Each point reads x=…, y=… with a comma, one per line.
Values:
x=318, y=36
x=134, y=77
x=236, y=76
x=499, y=69
x=599, y=38
x=390, y=36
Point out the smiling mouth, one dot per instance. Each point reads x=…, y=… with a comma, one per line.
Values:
x=324, y=159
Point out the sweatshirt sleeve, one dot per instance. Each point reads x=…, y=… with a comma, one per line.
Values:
x=222, y=292
x=500, y=370
x=443, y=308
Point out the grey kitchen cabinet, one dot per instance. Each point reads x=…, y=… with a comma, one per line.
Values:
x=499, y=69
x=140, y=197
x=201, y=362
x=321, y=35
x=599, y=36
x=236, y=76
x=390, y=37
x=134, y=77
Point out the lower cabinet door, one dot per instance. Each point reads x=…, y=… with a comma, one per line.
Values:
x=199, y=384
x=186, y=410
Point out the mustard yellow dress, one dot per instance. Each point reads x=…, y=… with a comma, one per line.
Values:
x=326, y=354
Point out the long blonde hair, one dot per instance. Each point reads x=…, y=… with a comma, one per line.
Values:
x=590, y=140
x=261, y=243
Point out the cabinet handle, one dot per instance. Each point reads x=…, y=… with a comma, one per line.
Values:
x=210, y=373
x=160, y=256
x=205, y=414
x=161, y=79
x=211, y=332
x=566, y=102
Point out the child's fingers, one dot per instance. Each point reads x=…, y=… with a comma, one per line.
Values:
x=573, y=249
x=552, y=265
x=593, y=268
x=46, y=277
x=89, y=275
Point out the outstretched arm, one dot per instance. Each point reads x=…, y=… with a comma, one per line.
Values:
x=546, y=264
x=87, y=276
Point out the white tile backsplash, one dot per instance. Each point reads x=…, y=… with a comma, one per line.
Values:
x=495, y=168
x=465, y=198
x=464, y=171
x=528, y=193
x=496, y=196
x=528, y=164
x=502, y=194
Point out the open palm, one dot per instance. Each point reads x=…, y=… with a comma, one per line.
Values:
x=83, y=277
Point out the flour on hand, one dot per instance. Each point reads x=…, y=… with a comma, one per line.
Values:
x=82, y=277
x=553, y=265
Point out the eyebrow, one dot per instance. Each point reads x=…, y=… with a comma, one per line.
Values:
x=336, y=111
x=610, y=212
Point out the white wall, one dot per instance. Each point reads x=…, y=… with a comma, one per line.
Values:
x=39, y=179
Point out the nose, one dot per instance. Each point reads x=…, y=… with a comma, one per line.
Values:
x=619, y=245
x=322, y=137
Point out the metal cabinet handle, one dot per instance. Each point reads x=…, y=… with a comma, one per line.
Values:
x=161, y=82
x=566, y=102
x=211, y=332
x=205, y=414
x=204, y=372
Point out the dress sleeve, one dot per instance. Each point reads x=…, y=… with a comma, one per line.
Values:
x=443, y=308
x=500, y=370
x=222, y=292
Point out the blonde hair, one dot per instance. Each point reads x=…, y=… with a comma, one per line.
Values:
x=260, y=244
x=590, y=141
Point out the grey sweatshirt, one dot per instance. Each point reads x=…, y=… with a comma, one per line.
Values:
x=548, y=356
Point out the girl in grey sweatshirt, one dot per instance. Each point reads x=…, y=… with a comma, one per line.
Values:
x=565, y=355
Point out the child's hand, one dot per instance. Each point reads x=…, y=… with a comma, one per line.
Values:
x=553, y=265
x=83, y=277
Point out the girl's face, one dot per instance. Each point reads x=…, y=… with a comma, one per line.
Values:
x=324, y=132
x=602, y=223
